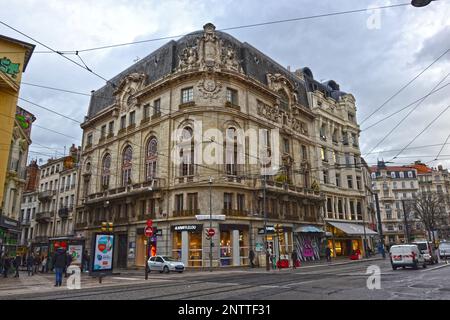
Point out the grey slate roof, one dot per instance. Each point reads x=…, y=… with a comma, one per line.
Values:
x=164, y=61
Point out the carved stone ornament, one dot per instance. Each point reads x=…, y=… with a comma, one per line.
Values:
x=268, y=112
x=209, y=54
x=277, y=82
x=128, y=87
x=209, y=88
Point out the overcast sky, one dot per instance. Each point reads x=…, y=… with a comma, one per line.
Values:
x=370, y=56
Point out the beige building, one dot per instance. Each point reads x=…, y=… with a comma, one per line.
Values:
x=348, y=215
x=201, y=118
x=15, y=181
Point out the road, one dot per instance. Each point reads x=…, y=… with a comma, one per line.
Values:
x=343, y=282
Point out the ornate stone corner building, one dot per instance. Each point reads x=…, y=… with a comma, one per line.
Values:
x=130, y=172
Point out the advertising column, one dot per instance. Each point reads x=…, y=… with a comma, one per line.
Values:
x=103, y=254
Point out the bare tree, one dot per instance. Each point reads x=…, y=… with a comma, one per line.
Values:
x=429, y=207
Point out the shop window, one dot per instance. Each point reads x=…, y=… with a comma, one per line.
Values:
x=226, y=254
x=195, y=249
x=176, y=246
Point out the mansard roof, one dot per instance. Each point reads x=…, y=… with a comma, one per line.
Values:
x=165, y=61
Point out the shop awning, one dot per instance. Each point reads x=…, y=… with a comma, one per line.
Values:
x=308, y=229
x=352, y=229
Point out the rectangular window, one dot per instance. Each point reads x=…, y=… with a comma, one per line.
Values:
x=358, y=183
x=304, y=153
x=351, y=117
x=350, y=182
x=179, y=202
x=103, y=131
x=338, y=180
x=132, y=119
x=241, y=202
x=123, y=122
x=393, y=175
x=401, y=174
x=323, y=154
x=89, y=139
x=227, y=201
x=232, y=96
x=111, y=128
x=146, y=111
x=157, y=107
x=192, y=201
x=410, y=174
x=325, y=176
x=286, y=145
x=187, y=95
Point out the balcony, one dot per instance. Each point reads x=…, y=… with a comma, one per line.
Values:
x=25, y=223
x=228, y=104
x=46, y=195
x=63, y=213
x=44, y=216
x=186, y=213
x=186, y=105
x=234, y=213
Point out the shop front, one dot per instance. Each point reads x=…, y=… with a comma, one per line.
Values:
x=279, y=245
x=141, y=245
x=349, y=239
x=307, y=242
x=9, y=235
x=187, y=244
x=234, y=245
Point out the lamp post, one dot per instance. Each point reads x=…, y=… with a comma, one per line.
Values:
x=210, y=225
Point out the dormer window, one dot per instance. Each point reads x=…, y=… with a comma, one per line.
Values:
x=284, y=100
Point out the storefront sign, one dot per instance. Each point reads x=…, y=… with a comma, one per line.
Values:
x=9, y=223
x=192, y=227
x=103, y=252
x=269, y=229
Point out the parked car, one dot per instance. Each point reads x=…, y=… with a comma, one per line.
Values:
x=165, y=264
x=426, y=248
x=406, y=255
x=444, y=250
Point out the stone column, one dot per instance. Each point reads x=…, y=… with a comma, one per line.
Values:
x=236, y=251
x=184, y=247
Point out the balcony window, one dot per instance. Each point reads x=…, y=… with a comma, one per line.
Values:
x=146, y=111
x=231, y=151
x=127, y=158
x=192, y=201
x=111, y=128
x=350, y=182
x=123, y=122
x=241, y=202
x=187, y=95
x=151, y=159
x=179, y=202
x=157, y=107
x=132, y=119
x=232, y=96
x=103, y=132
x=227, y=201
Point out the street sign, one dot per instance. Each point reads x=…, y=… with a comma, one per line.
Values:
x=211, y=232
x=148, y=231
x=149, y=222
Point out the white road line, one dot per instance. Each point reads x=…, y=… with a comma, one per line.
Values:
x=120, y=278
x=434, y=268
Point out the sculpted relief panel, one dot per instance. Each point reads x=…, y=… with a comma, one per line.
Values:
x=128, y=87
x=273, y=113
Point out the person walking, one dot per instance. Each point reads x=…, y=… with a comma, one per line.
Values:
x=30, y=264
x=85, y=261
x=328, y=254
x=294, y=257
x=251, y=257
x=2, y=261
x=44, y=264
x=17, y=262
x=6, y=266
x=59, y=262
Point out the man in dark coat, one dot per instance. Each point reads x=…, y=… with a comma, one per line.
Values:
x=251, y=257
x=294, y=257
x=328, y=253
x=6, y=266
x=30, y=264
x=59, y=263
x=17, y=262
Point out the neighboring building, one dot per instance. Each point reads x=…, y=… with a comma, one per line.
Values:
x=13, y=62
x=347, y=212
x=15, y=180
x=57, y=197
x=436, y=180
x=397, y=187
x=29, y=207
x=142, y=139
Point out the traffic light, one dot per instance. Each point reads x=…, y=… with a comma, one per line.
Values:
x=107, y=227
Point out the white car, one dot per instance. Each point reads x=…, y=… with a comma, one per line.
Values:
x=165, y=264
x=444, y=250
x=406, y=255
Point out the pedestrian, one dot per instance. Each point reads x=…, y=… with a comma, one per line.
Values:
x=17, y=261
x=6, y=266
x=2, y=261
x=251, y=257
x=59, y=262
x=68, y=263
x=328, y=254
x=44, y=264
x=30, y=264
x=85, y=261
x=37, y=263
x=294, y=257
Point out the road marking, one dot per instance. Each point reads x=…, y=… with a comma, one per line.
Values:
x=268, y=286
x=434, y=268
x=121, y=278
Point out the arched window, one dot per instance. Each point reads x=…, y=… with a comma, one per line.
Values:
x=284, y=100
x=106, y=171
x=187, y=152
x=231, y=151
x=127, y=158
x=151, y=159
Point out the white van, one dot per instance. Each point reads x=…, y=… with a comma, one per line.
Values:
x=406, y=255
x=426, y=249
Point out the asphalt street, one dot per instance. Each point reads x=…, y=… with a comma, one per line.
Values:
x=347, y=281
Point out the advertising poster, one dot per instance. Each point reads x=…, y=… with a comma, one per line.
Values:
x=76, y=251
x=103, y=257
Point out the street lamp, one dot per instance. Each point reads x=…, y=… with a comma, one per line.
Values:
x=420, y=3
x=210, y=225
